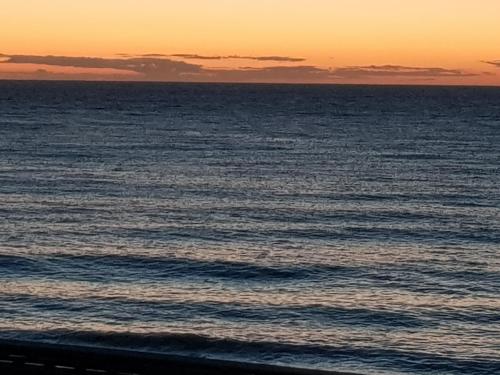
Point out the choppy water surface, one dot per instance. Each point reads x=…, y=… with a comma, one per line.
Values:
x=352, y=228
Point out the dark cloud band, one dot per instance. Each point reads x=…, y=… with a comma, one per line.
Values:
x=164, y=69
x=156, y=67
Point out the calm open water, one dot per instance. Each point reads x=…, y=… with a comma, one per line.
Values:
x=348, y=228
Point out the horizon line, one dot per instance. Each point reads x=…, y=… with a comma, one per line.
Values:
x=246, y=83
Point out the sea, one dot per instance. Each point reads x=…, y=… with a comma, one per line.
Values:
x=349, y=228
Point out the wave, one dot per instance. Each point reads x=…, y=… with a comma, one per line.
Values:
x=79, y=308
x=326, y=356
x=433, y=278
x=162, y=267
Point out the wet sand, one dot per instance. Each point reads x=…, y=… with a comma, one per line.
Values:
x=18, y=357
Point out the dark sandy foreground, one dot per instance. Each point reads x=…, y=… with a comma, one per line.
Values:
x=18, y=357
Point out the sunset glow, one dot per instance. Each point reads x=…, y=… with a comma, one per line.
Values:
x=324, y=41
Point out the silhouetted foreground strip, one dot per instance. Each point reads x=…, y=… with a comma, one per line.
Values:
x=18, y=357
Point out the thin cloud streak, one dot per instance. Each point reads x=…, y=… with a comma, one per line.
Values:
x=153, y=55
x=275, y=74
x=368, y=71
x=238, y=57
x=189, y=56
x=194, y=56
x=495, y=63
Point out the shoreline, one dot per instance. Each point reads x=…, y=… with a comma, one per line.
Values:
x=24, y=357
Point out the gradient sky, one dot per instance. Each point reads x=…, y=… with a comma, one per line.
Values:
x=338, y=41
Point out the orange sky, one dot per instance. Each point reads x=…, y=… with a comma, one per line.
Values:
x=348, y=41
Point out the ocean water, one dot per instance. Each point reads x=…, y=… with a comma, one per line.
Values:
x=347, y=228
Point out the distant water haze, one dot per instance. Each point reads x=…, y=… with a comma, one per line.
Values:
x=338, y=227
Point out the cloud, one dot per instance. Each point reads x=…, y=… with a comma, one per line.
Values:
x=370, y=71
x=149, y=68
x=190, y=56
x=153, y=55
x=194, y=56
x=44, y=74
x=256, y=58
x=163, y=69
x=155, y=67
x=275, y=74
x=269, y=58
x=493, y=62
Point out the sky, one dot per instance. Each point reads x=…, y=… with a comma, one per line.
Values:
x=304, y=41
